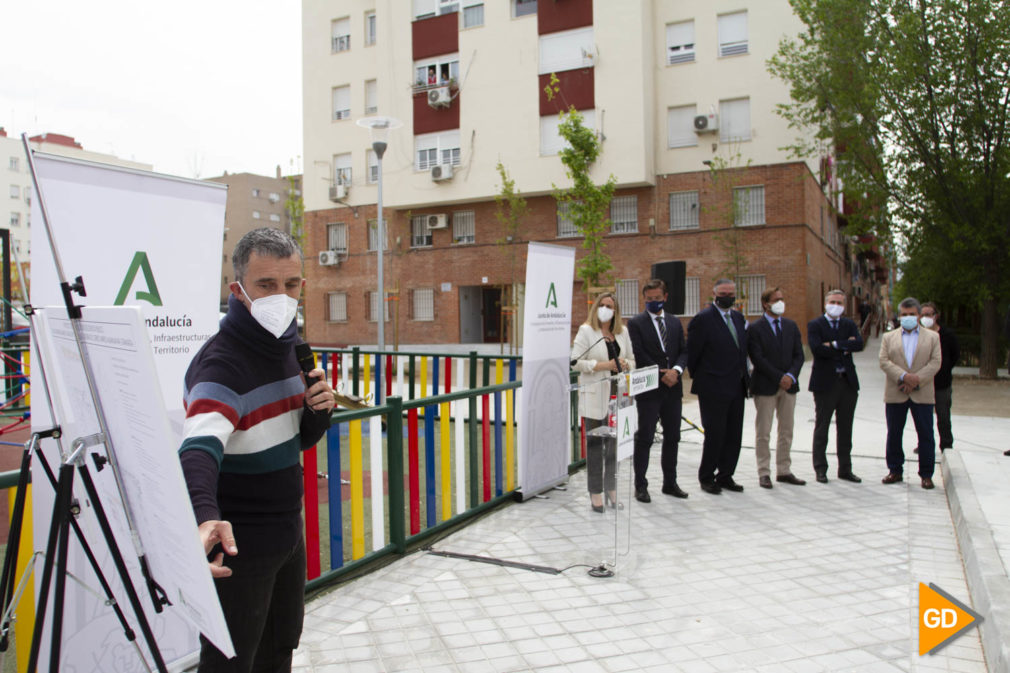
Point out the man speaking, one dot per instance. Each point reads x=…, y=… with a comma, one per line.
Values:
x=250, y=412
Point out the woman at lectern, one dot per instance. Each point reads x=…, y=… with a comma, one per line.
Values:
x=601, y=349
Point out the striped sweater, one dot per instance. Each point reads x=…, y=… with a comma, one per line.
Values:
x=246, y=424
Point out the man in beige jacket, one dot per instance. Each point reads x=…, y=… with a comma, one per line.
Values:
x=910, y=358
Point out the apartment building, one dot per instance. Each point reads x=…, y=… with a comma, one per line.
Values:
x=681, y=102
x=254, y=201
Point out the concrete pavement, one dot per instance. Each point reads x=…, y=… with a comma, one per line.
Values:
x=822, y=577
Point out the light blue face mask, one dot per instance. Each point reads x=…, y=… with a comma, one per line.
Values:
x=909, y=322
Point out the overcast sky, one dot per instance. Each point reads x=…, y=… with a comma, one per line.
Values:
x=194, y=88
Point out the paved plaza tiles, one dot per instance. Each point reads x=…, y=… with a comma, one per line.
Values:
x=822, y=577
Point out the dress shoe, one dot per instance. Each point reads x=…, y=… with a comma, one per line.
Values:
x=612, y=502
x=849, y=476
x=790, y=479
x=764, y=481
x=891, y=478
x=675, y=491
x=1007, y=452
x=927, y=483
x=642, y=495
x=711, y=487
x=729, y=485
x=822, y=477
x=596, y=508
x=592, y=502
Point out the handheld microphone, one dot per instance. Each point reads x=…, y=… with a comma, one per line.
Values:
x=307, y=362
x=571, y=363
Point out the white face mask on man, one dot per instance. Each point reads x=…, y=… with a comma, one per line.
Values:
x=274, y=313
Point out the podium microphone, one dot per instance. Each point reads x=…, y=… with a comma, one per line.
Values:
x=307, y=362
x=571, y=363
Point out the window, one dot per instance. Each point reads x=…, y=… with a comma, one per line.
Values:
x=369, y=28
x=680, y=42
x=13, y=165
x=371, y=97
x=524, y=7
x=336, y=306
x=341, y=30
x=336, y=237
x=373, y=232
x=420, y=235
x=15, y=219
x=624, y=215
x=256, y=214
x=680, y=126
x=473, y=14
x=255, y=192
x=734, y=120
x=692, y=295
x=749, y=289
x=683, y=210
x=423, y=304
x=566, y=50
x=733, y=34
x=274, y=197
x=425, y=9
x=373, y=166
x=373, y=307
x=439, y=71
x=15, y=192
x=274, y=217
x=341, y=103
x=432, y=149
x=28, y=195
x=550, y=140
x=463, y=227
x=748, y=206
x=342, y=168
x=566, y=228
x=627, y=297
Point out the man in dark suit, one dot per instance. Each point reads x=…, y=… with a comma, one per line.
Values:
x=833, y=339
x=657, y=338
x=943, y=382
x=776, y=351
x=717, y=360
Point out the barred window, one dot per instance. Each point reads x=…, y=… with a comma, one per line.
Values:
x=336, y=237
x=373, y=236
x=627, y=297
x=373, y=166
x=692, y=295
x=683, y=210
x=420, y=235
x=373, y=307
x=566, y=228
x=624, y=215
x=749, y=206
x=424, y=304
x=749, y=289
x=340, y=35
x=463, y=227
x=336, y=307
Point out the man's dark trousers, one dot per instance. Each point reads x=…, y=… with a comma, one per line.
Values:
x=840, y=399
x=722, y=418
x=922, y=416
x=664, y=404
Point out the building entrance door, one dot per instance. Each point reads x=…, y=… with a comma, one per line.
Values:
x=470, y=323
x=491, y=303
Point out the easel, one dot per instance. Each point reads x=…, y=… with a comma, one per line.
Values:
x=65, y=507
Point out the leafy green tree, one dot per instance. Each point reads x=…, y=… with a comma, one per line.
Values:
x=587, y=203
x=726, y=174
x=510, y=209
x=913, y=95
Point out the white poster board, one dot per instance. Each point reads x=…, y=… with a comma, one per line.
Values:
x=139, y=239
x=544, y=431
x=126, y=385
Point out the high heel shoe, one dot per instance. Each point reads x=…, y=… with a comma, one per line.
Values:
x=596, y=508
x=612, y=502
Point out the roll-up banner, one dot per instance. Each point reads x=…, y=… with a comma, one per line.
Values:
x=544, y=430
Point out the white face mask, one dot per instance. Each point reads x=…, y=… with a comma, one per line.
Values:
x=834, y=310
x=927, y=322
x=274, y=313
x=779, y=307
x=604, y=313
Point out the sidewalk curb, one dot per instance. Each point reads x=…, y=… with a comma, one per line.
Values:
x=987, y=579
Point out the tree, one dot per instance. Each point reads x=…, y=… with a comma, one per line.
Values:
x=913, y=95
x=725, y=178
x=510, y=209
x=587, y=203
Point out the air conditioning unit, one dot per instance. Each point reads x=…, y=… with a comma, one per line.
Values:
x=438, y=221
x=440, y=97
x=706, y=123
x=441, y=172
x=338, y=192
x=328, y=258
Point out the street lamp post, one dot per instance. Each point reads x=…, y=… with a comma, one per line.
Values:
x=379, y=128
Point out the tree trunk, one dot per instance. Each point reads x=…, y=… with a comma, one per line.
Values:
x=989, y=352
